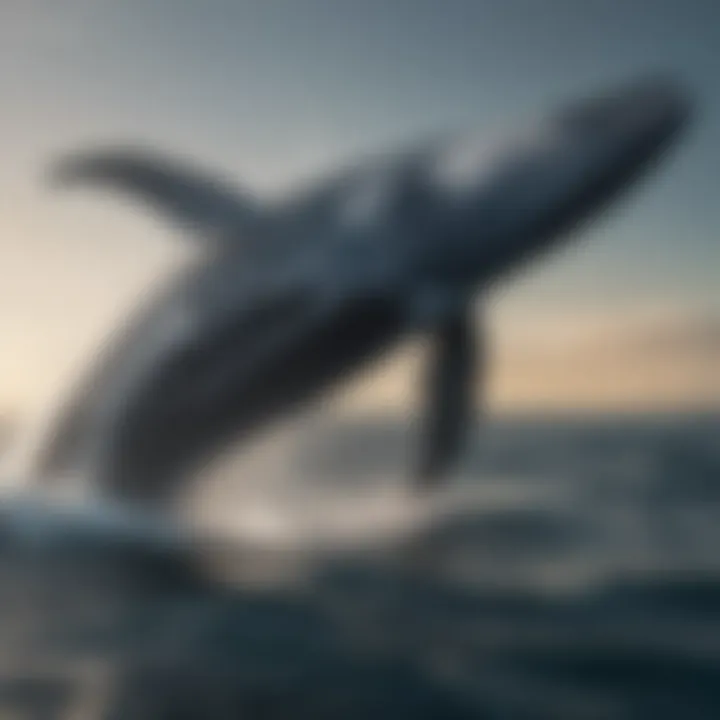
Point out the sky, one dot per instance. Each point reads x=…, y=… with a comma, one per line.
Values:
x=270, y=93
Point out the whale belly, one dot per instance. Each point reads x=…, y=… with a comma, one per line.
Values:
x=233, y=381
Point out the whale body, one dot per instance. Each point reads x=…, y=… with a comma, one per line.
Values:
x=287, y=303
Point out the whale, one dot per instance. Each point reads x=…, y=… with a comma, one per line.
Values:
x=286, y=302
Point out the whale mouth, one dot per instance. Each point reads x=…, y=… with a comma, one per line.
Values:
x=652, y=108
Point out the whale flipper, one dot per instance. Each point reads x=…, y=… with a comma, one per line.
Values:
x=449, y=397
x=192, y=200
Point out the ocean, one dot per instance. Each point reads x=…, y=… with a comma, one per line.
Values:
x=571, y=571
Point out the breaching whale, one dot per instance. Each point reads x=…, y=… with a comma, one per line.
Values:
x=287, y=302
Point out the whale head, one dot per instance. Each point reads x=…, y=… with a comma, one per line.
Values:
x=496, y=208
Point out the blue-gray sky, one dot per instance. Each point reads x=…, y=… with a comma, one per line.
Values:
x=272, y=91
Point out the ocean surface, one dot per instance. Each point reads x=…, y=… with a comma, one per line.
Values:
x=572, y=570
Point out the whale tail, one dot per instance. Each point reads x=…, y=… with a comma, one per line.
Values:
x=202, y=205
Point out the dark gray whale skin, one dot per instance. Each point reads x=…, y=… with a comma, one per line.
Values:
x=290, y=302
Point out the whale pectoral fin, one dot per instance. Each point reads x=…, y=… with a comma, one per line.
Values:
x=188, y=197
x=449, y=397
